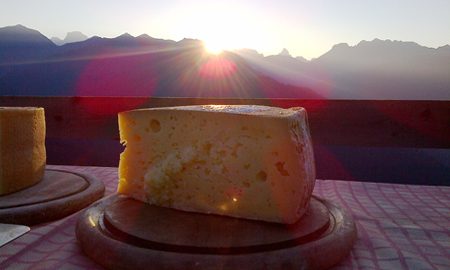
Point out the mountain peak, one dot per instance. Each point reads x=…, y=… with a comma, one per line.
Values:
x=18, y=29
x=190, y=42
x=376, y=42
x=71, y=37
x=75, y=36
x=249, y=52
x=144, y=36
x=125, y=36
x=285, y=52
x=57, y=41
x=19, y=26
x=19, y=35
x=341, y=46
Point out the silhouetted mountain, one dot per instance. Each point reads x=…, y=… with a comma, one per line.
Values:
x=285, y=52
x=286, y=55
x=30, y=64
x=370, y=70
x=282, y=67
x=12, y=37
x=385, y=69
x=148, y=40
x=74, y=36
x=389, y=54
x=97, y=47
x=139, y=66
x=18, y=43
x=444, y=49
x=57, y=41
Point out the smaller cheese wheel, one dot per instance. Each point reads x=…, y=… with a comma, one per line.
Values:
x=22, y=147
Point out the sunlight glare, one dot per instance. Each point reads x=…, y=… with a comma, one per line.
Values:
x=213, y=47
x=225, y=27
x=215, y=42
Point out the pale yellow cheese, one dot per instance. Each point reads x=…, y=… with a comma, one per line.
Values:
x=244, y=161
x=22, y=147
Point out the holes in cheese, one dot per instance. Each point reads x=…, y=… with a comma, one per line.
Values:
x=155, y=125
x=261, y=176
x=252, y=162
x=281, y=169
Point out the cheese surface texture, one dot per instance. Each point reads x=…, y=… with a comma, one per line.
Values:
x=245, y=161
x=22, y=147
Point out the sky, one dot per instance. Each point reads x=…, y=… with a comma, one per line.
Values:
x=305, y=28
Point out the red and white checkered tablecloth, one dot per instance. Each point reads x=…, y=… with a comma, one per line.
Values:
x=399, y=227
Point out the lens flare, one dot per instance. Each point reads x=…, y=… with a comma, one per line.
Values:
x=217, y=67
x=214, y=48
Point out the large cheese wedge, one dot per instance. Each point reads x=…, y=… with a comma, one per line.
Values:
x=244, y=161
x=22, y=147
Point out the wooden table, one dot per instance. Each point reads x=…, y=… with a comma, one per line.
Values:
x=399, y=227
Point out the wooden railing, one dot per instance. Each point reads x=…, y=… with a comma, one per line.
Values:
x=83, y=130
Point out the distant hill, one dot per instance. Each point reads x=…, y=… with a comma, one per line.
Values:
x=138, y=66
x=377, y=69
x=31, y=64
x=74, y=36
x=389, y=69
x=18, y=44
x=20, y=36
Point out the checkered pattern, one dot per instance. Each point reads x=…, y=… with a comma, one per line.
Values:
x=399, y=227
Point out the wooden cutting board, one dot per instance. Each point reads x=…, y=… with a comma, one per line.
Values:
x=59, y=194
x=121, y=233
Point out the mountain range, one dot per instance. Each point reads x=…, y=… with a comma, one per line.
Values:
x=71, y=37
x=31, y=64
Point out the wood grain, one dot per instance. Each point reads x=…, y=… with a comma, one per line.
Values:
x=150, y=225
x=59, y=194
x=321, y=252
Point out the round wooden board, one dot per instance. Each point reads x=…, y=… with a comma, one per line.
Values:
x=59, y=194
x=121, y=233
x=169, y=229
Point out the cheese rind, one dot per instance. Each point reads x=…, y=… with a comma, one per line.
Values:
x=244, y=161
x=22, y=147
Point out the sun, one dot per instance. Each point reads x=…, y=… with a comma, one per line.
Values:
x=213, y=47
x=223, y=26
x=216, y=44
